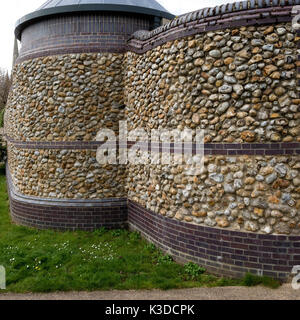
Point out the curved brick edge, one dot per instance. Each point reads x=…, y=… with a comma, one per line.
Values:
x=220, y=251
x=66, y=215
x=234, y=15
x=227, y=149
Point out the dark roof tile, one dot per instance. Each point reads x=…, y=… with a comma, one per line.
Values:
x=55, y=7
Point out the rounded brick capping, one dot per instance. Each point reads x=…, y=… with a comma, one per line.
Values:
x=222, y=252
x=67, y=214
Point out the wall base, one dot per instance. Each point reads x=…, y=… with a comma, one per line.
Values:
x=222, y=252
x=67, y=214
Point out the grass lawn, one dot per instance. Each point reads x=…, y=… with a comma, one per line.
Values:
x=45, y=261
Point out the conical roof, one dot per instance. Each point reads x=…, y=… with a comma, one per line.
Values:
x=151, y=4
x=56, y=7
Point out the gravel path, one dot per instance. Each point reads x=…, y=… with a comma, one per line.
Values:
x=224, y=293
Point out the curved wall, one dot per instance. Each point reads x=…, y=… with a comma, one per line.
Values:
x=66, y=97
x=233, y=74
x=60, y=102
x=240, y=87
x=219, y=250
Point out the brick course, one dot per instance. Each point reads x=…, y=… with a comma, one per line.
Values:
x=220, y=251
x=229, y=149
x=80, y=33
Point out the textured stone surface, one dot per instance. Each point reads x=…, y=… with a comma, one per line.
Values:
x=237, y=94
x=231, y=192
x=65, y=174
x=232, y=83
x=65, y=98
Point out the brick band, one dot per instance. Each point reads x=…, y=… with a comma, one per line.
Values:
x=229, y=149
x=221, y=251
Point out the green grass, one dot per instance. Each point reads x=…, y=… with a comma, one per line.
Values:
x=251, y=280
x=46, y=261
x=2, y=117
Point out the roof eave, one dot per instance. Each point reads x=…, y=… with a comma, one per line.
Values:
x=37, y=15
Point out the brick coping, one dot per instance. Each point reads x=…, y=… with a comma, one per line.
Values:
x=233, y=15
x=229, y=11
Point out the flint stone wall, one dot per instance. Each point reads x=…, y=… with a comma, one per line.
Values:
x=239, y=84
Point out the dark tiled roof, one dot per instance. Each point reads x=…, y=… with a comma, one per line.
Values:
x=151, y=4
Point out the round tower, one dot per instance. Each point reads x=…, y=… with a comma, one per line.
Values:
x=60, y=27
x=68, y=83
